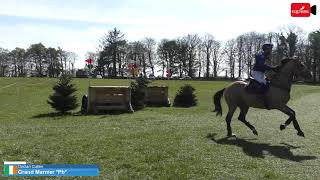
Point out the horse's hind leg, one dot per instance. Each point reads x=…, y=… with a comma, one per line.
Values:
x=242, y=118
x=228, y=120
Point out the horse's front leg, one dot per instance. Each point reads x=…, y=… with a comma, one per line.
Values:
x=292, y=118
x=288, y=121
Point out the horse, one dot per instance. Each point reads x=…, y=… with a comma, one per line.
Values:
x=277, y=95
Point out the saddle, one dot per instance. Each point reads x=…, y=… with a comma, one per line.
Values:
x=255, y=87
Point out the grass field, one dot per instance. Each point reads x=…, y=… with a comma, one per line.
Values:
x=160, y=143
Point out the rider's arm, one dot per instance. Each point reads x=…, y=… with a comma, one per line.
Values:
x=260, y=61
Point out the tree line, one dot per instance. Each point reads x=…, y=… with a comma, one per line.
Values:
x=190, y=55
x=204, y=56
x=36, y=61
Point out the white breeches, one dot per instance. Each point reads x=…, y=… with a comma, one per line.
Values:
x=259, y=76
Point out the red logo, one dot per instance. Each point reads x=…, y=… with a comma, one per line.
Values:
x=303, y=9
x=300, y=9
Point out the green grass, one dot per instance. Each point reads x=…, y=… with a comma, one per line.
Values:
x=160, y=143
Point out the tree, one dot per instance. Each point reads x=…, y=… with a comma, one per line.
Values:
x=182, y=57
x=168, y=54
x=240, y=44
x=140, y=56
x=314, y=38
x=113, y=45
x=292, y=43
x=192, y=40
x=208, y=43
x=230, y=52
x=200, y=60
x=138, y=92
x=185, y=97
x=149, y=44
x=104, y=61
x=248, y=51
x=291, y=34
x=18, y=61
x=71, y=59
x=4, y=62
x=63, y=99
x=37, y=54
x=55, y=67
x=282, y=47
x=216, y=57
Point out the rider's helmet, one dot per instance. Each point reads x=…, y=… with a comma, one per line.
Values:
x=267, y=46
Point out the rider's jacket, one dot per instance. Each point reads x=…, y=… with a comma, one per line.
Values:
x=260, y=63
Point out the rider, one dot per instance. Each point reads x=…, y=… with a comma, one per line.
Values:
x=260, y=67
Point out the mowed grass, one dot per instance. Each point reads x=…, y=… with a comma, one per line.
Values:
x=160, y=143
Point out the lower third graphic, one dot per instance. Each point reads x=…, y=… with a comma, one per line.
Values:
x=21, y=168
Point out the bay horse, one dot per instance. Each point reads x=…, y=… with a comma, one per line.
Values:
x=278, y=96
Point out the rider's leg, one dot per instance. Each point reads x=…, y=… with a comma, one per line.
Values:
x=260, y=77
x=265, y=97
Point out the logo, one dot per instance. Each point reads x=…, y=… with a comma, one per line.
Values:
x=303, y=10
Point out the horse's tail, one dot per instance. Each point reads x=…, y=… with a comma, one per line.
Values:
x=217, y=102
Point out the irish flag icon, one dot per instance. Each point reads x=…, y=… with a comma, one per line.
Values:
x=11, y=167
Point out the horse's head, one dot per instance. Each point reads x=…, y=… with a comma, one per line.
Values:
x=296, y=67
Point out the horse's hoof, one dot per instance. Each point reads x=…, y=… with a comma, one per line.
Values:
x=300, y=133
x=282, y=127
x=255, y=132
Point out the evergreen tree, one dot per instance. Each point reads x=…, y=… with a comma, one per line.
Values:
x=185, y=97
x=63, y=99
x=138, y=92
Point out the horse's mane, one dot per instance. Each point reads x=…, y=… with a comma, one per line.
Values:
x=284, y=61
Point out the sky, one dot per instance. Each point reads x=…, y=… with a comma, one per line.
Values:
x=78, y=25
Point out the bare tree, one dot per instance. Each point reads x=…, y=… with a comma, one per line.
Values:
x=149, y=44
x=230, y=52
x=314, y=38
x=217, y=57
x=4, y=62
x=208, y=43
x=192, y=40
x=71, y=58
x=240, y=44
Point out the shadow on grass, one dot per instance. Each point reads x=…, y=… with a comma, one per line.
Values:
x=61, y=115
x=257, y=150
x=54, y=115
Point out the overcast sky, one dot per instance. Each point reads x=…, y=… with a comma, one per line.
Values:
x=77, y=25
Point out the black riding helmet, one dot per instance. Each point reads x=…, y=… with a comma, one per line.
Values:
x=267, y=46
